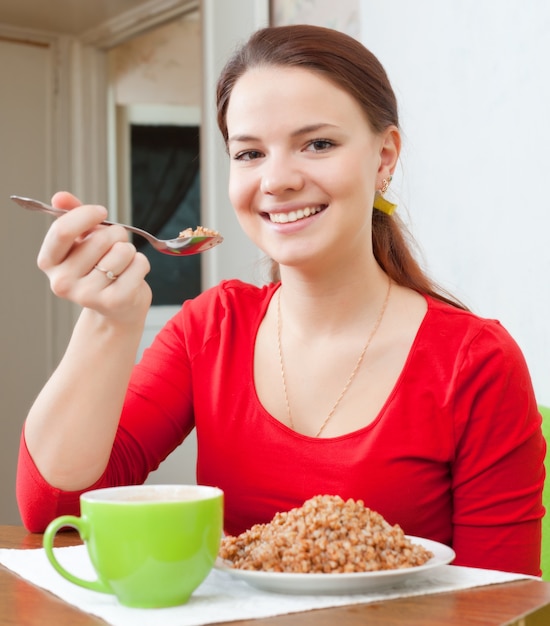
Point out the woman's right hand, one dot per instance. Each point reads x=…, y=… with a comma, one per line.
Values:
x=72, y=424
x=75, y=244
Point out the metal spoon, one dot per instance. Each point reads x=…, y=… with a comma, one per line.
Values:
x=181, y=246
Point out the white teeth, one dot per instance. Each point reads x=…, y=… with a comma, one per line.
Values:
x=293, y=216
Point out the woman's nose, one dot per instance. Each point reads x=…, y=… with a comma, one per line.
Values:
x=280, y=175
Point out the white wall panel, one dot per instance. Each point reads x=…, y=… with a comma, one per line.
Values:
x=474, y=90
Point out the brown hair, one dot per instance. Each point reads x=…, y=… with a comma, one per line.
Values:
x=346, y=62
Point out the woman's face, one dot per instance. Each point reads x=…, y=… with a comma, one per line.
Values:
x=305, y=165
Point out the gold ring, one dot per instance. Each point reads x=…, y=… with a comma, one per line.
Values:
x=110, y=275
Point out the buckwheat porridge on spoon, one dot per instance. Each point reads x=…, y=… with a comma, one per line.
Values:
x=200, y=231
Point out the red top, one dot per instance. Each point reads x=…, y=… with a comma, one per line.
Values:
x=455, y=455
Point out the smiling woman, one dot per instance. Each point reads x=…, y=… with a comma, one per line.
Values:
x=353, y=365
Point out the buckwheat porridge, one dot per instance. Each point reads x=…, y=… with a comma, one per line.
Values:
x=200, y=231
x=325, y=535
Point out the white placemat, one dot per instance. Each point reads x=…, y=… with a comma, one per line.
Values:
x=221, y=598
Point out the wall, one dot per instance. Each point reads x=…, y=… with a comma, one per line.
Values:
x=161, y=66
x=474, y=93
x=24, y=332
x=318, y=12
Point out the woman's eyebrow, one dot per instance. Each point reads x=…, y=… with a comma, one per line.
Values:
x=241, y=138
x=303, y=130
x=311, y=128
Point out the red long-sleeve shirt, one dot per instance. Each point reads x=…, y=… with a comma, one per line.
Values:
x=455, y=455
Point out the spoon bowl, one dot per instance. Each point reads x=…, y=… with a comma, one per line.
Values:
x=180, y=246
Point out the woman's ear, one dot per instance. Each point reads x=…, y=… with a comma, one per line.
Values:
x=390, y=149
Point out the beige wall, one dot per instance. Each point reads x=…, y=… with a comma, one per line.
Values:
x=25, y=144
x=51, y=137
x=162, y=66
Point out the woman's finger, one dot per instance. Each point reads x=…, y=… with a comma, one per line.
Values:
x=107, y=247
x=65, y=200
x=113, y=264
x=124, y=295
x=66, y=232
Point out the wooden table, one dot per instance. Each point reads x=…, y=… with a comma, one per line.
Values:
x=521, y=603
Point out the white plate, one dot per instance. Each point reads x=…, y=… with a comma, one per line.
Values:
x=340, y=584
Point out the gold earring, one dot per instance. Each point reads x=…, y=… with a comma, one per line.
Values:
x=385, y=184
x=380, y=203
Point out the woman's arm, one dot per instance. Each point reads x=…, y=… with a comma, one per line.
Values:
x=72, y=424
x=498, y=474
x=156, y=417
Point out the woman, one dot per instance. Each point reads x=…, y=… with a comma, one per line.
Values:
x=352, y=375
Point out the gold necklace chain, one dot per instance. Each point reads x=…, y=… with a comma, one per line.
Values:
x=353, y=373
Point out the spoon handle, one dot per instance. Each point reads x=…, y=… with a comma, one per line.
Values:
x=36, y=205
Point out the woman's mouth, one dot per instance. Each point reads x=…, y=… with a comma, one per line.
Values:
x=295, y=216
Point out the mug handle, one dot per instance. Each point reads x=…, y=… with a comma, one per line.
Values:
x=81, y=525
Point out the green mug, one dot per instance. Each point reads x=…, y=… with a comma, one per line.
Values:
x=150, y=545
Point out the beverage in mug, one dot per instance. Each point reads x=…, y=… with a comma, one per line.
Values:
x=150, y=545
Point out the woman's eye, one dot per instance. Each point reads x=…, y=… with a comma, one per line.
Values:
x=247, y=155
x=320, y=145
